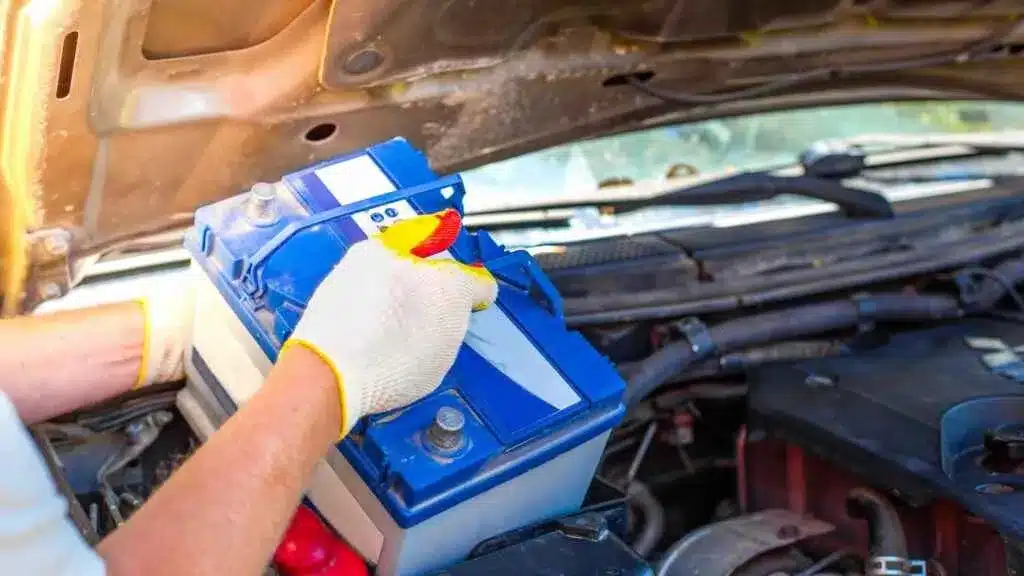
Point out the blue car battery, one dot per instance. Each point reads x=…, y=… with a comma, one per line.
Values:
x=516, y=429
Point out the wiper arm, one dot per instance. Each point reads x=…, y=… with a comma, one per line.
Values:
x=739, y=188
x=1008, y=140
x=758, y=186
x=811, y=178
x=824, y=165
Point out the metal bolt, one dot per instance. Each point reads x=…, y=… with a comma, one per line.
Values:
x=49, y=291
x=136, y=429
x=262, y=209
x=588, y=526
x=446, y=432
x=363, y=62
x=56, y=245
x=788, y=532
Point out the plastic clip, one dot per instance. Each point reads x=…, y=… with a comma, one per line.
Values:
x=519, y=270
x=866, y=308
x=698, y=335
x=867, y=311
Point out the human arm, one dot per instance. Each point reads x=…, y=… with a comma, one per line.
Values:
x=55, y=363
x=260, y=461
x=225, y=510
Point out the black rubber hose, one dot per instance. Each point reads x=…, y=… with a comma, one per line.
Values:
x=884, y=525
x=812, y=319
x=992, y=289
x=737, y=362
x=784, y=325
x=647, y=539
x=659, y=368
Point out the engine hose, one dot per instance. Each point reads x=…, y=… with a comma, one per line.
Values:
x=639, y=496
x=819, y=318
x=884, y=525
x=992, y=288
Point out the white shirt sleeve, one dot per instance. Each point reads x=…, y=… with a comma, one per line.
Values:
x=36, y=534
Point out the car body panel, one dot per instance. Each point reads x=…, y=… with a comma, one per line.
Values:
x=120, y=117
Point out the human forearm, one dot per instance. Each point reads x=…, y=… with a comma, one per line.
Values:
x=55, y=363
x=225, y=510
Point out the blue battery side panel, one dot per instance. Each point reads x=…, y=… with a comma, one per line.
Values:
x=557, y=393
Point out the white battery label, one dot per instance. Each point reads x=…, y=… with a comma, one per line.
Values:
x=354, y=180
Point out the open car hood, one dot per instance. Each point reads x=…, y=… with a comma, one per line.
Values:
x=122, y=116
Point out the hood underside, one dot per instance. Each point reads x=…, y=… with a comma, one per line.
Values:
x=119, y=117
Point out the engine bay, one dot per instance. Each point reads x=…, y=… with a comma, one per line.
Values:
x=800, y=400
x=928, y=416
x=758, y=267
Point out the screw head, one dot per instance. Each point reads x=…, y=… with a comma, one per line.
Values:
x=49, y=291
x=788, y=532
x=363, y=61
x=56, y=245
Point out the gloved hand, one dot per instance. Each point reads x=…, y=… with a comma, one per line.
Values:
x=388, y=321
x=168, y=309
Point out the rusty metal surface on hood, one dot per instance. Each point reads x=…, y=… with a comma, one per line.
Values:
x=119, y=117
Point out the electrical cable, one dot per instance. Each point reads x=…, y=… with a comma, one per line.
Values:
x=825, y=562
x=965, y=54
x=645, y=445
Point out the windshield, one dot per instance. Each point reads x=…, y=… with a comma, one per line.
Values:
x=749, y=142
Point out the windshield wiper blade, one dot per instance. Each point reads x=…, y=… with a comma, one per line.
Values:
x=800, y=179
x=1006, y=140
x=739, y=188
x=747, y=187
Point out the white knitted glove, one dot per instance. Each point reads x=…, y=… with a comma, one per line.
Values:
x=168, y=311
x=389, y=322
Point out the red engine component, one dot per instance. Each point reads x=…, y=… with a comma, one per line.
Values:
x=309, y=548
x=776, y=474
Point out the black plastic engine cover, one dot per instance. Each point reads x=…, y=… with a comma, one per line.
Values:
x=923, y=416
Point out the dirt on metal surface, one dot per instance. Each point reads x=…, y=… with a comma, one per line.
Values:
x=120, y=117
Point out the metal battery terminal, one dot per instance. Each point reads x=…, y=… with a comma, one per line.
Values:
x=445, y=433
